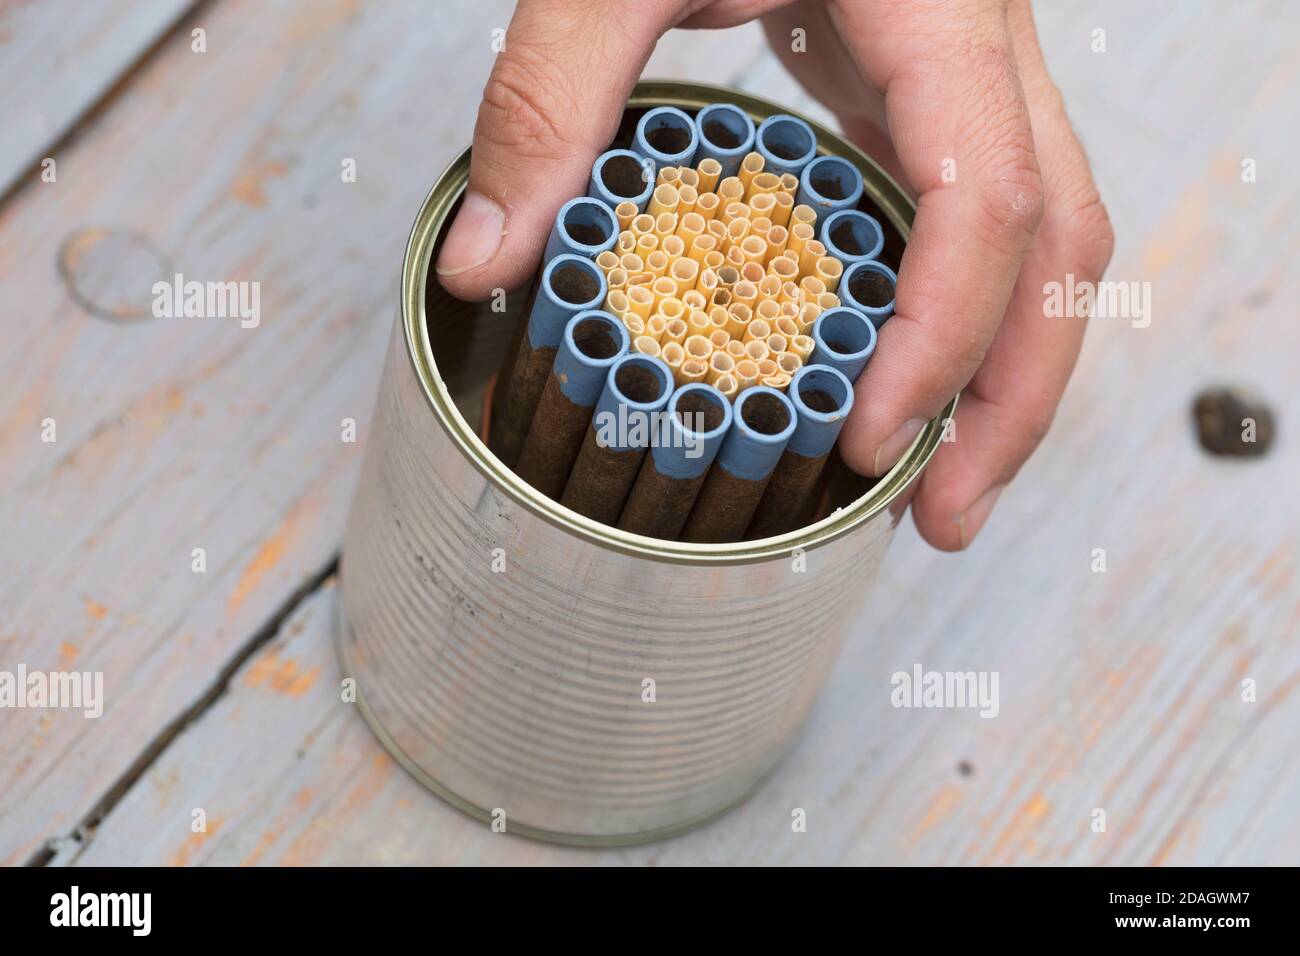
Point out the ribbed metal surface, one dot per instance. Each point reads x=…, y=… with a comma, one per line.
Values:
x=522, y=690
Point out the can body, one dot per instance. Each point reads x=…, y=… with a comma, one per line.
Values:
x=572, y=681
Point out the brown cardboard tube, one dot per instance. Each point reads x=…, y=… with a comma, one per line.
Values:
x=519, y=401
x=822, y=397
x=570, y=284
x=601, y=479
x=725, y=504
x=592, y=342
x=659, y=505
x=635, y=394
x=500, y=390
x=765, y=420
x=674, y=471
x=786, y=495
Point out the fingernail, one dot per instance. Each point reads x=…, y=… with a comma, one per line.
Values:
x=887, y=454
x=475, y=236
x=969, y=524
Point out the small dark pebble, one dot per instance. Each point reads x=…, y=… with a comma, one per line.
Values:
x=1223, y=418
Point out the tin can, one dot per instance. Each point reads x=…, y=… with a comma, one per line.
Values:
x=568, y=680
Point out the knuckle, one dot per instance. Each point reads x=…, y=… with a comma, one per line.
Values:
x=1045, y=97
x=1077, y=218
x=1089, y=234
x=1012, y=201
x=521, y=109
x=967, y=356
x=1038, y=420
x=999, y=140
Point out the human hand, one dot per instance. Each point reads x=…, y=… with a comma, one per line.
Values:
x=960, y=88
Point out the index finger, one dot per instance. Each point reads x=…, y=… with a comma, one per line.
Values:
x=958, y=119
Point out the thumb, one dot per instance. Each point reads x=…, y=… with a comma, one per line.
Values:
x=552, y=104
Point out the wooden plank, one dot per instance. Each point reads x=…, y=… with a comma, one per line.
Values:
x=879, y=785
x=60, y=57
x=1120, y=691
x=180, y=434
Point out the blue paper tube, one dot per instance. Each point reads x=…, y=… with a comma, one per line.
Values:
x=844, y=339
x=822, y=398
x=584, y=227
x=765, y=421
x=726, y=134
x=829, y=184
x=629, y=412
x=786, y=143
x=850, y=235
x=621, y=175
x=667, y=137
x=570, y=284
x=682, y=450
x=868, y=286
x=593, y=341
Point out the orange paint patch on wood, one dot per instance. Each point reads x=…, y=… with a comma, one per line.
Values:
x=282, y=675
x=1035, y=807
x=159, y=413
x=267, y=557
x=273, y=549
x=1277, y=573
x=297, y=685
x=1184, y=835
x=195, y=841
x=95, y=610
x=1021, y=825
x=943, y=803
x=320, y=18
x=249, y=185
x=307, y=849
x=264, y=843
x=67, y=654
x=297, y=810
x=1182, y=238
x=1137, y=670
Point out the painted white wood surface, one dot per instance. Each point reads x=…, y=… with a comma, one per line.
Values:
x=1119, y=691
x=58, y=57
x=182, y=434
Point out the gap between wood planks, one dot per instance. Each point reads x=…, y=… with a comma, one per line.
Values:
x=77, y=124
x=74, y=128
x=67, y=848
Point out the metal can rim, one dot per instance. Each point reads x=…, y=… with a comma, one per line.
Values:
x=884, y=192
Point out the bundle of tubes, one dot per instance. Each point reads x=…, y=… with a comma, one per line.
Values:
x=700, y=318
